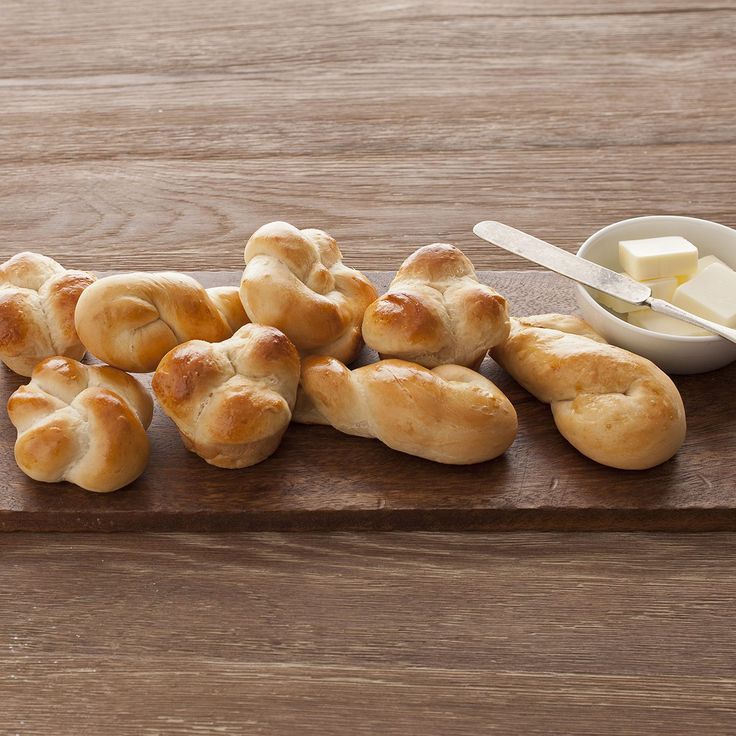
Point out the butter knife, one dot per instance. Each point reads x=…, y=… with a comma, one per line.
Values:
x=588, y=273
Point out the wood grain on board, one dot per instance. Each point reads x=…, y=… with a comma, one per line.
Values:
x=160, y=135
x=320, y=478
x=328, y=634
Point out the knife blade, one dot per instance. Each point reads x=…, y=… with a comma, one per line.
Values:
x=587, y=272
x=562, y=262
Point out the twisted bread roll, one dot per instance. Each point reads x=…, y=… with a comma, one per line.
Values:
x=435, y=312
x=615, y=407
x=84, y=424
x=37, y=301
x=132, y=320
x=232, y=400
x=296, y=281
x=450, y=414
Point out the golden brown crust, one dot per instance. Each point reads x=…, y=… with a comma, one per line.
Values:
x=436, y=312
x=132, y=320
x=184, y=373
x=232, y=400
x=450, y=414
x=436, y=262
x=14, y=324
x=84, y=424
x=44, y=452
x=37, y=302
x=617, y=408
x=295, y=280
x=415, y=324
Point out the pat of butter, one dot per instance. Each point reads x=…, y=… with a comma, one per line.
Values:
x=661, y=289
x=657, y=322
x=710, y=294
x=654, y=258
x=706, y=261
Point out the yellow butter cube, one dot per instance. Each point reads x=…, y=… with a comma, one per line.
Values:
x=710, y=294
x=663, y=288
x=706, y=261
x=654, y=258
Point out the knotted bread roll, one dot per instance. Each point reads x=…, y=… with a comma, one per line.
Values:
x=232, y=400
x=295, y=280
x=436, y=312
x=450, y=414
x=132, y=320
x=617, y=408
x=84, y=424
x=37, y=301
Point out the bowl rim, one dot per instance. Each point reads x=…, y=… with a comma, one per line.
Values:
x=583, y=292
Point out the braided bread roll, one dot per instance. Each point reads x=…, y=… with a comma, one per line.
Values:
x=232, y=400
x=295, y=280
x=450, y=414
x=436, y=312
x=132, y=320
x=617, y=408
x=37, y=301
x=84, y=424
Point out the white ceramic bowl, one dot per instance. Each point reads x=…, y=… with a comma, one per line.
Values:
x=672, y=353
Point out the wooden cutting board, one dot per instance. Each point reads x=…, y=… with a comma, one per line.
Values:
x=321, y=479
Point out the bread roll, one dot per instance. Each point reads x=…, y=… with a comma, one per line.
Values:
x=295, y=280
x=37, y=301
x=436, y=312
x=232, y=400
x=450, y=414
x=84, y=424
x=132, y=320
x=615, y=407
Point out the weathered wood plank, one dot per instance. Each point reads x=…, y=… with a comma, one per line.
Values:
x=160, y=135
x=321, y=479
x=193, y=215
x=389, y=633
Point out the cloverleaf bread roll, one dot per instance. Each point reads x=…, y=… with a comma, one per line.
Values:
x=617, y=408
x=435, y=312
x=295, y=280
x=37, y=301
x=450, y=414
x=132, y=320
x=84, y=424
x=232, y=400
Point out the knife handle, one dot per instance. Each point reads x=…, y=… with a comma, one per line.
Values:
x=663, y=307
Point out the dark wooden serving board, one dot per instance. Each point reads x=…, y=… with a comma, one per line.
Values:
x=322, y=479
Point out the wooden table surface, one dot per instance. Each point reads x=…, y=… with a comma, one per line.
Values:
x=147, y=135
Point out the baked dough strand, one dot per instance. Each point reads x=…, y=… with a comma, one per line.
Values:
x=84, y=424
x=37, y=301
x=617, y=408
x=132, y=320
x=296, y=281
x=436, y=312
x=450, y=414
x=232, y=400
